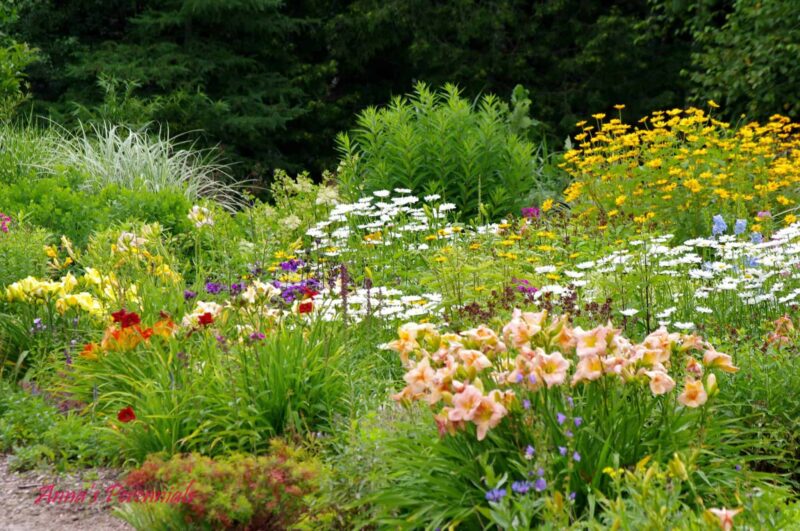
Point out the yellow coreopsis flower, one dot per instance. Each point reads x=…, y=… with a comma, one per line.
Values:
x=547, y=205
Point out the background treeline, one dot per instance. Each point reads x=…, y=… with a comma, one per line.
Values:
x=273, y=81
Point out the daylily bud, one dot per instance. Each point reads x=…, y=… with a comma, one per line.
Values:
x=711, y=384
x=677, y=468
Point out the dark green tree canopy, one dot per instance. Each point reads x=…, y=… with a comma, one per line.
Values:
x=273, y=81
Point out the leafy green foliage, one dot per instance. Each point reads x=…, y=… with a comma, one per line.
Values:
x=14, y=58
x=21, y=252
x=743, y=55
x=37, y=434
x=437, y=142
x=57, y=203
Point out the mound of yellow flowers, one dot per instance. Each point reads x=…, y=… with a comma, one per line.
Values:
x=675, y=167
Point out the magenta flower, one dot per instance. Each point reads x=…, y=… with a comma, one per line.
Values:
x=531, y=212
x=4, y=221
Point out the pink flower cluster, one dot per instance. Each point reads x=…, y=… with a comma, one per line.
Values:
x=477, y=373
x=4, y=221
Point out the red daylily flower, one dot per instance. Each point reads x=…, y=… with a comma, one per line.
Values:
x=309, y=293
x=206, y=319
x=126, y=415
x=305, y=307
x=126, y=319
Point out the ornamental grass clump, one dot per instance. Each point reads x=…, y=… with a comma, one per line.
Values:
x=676, y=165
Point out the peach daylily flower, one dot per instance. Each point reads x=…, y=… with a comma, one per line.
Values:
x=712, y=358
x=465, y=403
x=725, y=517
x=694, y=367
x=592, y=342
x=485, y=337
x=420, y=377
x=620, y=346
x=589, y=368
x=552, y=367
x=694, y=394
x=444, y=424
x=660, y=382
x=660, y=340
x=565, y=339
x=523, y=368
x=692, y=342
x=406, y=341
x=488, y=413
x=474, y=358
x=614, y=365
x=523, y=326
x=649, y=357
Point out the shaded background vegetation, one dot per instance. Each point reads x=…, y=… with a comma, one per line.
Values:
x=273, y=81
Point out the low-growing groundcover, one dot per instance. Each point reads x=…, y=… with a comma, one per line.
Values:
x=623, y=356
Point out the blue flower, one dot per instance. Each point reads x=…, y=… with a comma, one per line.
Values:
x=526, y=404
x=756, y=237
x=740, y=226
x=521, y=487
x=560, y=417
x=495, y=495
x=719, y=226
x=576, y=456
x=540, y=485
x=751, y=261
x=578, y=421
x=562, y=450
x=529, y=451
x=213, y=287
x=189, y=294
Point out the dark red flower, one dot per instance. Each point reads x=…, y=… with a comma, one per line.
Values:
x=126, y=414
x=305, y=307
x=308, y=292
x=126, y=319
x=205, y=319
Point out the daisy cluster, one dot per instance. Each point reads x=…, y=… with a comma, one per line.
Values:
x=381, y=219
x=751, y=271
x=379, y=302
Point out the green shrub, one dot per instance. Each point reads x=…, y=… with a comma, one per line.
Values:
x=36, y=433
x=14, y=57
x=59, y=204
x=22, y=252
x=437, y=142
x=234, y=492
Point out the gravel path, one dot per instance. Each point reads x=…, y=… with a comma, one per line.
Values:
x=20, y=512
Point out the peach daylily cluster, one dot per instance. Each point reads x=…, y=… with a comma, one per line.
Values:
x=474, y=373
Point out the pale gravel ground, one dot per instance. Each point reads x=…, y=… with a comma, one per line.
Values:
x=18, y=492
